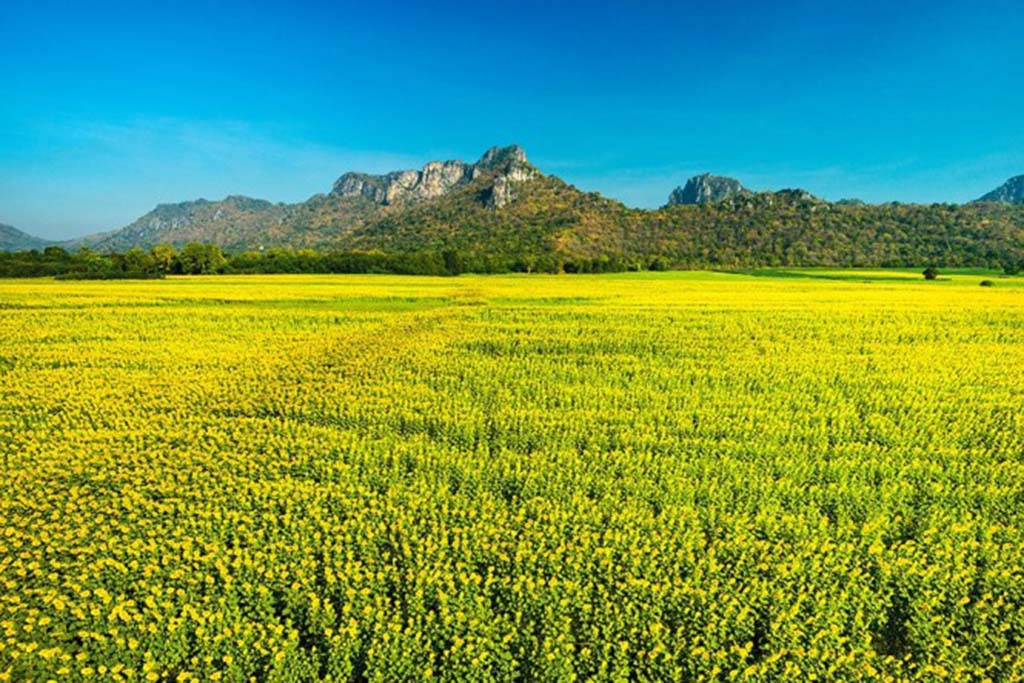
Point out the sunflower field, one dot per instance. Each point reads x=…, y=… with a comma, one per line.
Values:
x=633, y=477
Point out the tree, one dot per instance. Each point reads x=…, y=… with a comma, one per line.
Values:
x=86, y=260
x=137, y=261
x=930, y=273
x=452, y=262
x=163, y=257
x=53, y=253
x=200, y=259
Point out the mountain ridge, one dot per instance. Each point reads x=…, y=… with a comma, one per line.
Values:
x=435, y=179
x=500, y=207
x=239, y=222
x=1010, y=192
x=12, y=239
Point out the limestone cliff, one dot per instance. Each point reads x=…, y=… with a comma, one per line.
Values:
x=507, y=166
x=707, y=189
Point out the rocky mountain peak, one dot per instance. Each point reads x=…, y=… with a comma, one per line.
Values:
x=707, y=189
x=497, y=156
x=1010, y=192
x=508, y=165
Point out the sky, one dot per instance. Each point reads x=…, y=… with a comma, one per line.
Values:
x=111, y=108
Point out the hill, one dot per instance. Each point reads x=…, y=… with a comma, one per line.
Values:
x=552, y=220
x=233, y=219
x=502, y=211
x=1010, y=192
x=791, y=227
x=240, y=223
x=12, y=239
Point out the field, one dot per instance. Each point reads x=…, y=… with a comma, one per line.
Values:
x=805, y=476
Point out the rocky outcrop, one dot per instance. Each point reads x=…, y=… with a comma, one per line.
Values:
x=707, y=189
x=793, y=195
x=1010, y=192
x=436, y=179
x=728, y=192
x=502, y=158
x=507, y=165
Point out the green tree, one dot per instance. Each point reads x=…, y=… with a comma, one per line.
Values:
x=200, y=259
x=137, y=261
x=55, y=254
x=163, y=257
x=86, y=260
x=659, y=263
x=1013, y=266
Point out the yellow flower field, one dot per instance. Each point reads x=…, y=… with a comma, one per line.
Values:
x=654, y=477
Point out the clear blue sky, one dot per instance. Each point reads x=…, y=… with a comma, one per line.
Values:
x=110, y=108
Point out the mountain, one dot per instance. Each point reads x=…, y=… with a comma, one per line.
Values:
x=438, y=178
x=793, y=228
x=501, y=212
x=707, y=189
x=553, y=225
x=538, y=216
x=1010, y=192
x=228, y=220
x=356, y=199
x=12, y=239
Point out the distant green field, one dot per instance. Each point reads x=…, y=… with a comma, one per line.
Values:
x=959, y=275
x=778, y=475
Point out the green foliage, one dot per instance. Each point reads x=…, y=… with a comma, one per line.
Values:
x=163, y=258
x=552, y=220
x=551, y=227
x=83, y=264
x=200, y=259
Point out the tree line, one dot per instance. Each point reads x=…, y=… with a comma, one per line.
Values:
x=209, y=259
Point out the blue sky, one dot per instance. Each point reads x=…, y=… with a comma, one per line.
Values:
x=111, y=108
